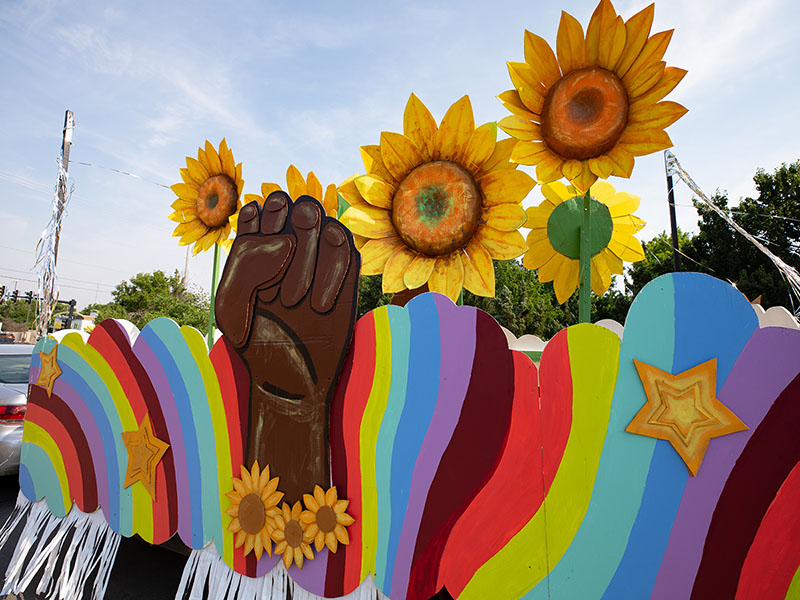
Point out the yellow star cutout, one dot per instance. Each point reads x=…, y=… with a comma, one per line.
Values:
x=684, y=410
x=50, y=370
x=144, y=453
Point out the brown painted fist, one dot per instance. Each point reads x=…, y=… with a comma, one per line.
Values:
x=287, y=301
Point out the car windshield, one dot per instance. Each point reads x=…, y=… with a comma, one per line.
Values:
x=14, y=368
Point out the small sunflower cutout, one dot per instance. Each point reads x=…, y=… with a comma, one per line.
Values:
x=554, y=246
x=291, y=539
x=254, y=502
x=208, y=198
x=326, y=519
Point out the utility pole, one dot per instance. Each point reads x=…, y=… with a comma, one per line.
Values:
x=676, y=257
x=66, y=143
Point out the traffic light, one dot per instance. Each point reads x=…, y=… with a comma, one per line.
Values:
x=15, y=295
x=28, y=296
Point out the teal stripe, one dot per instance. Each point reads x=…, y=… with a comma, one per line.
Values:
x=400, y=328
x=170, y=335
x=84, y=371
x=583, y=572
x=45, y=480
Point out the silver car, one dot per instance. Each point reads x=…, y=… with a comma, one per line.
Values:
x=15, y=362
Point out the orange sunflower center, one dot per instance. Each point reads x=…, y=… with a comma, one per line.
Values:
x=252, y=514
x=437, y=208
x=584, y=113
x=326, y=519
x=216, y=201
x=294, y=533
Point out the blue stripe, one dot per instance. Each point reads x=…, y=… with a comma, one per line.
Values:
x=422, y=388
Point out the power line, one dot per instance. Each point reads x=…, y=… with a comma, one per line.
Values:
x=60, y=277
x=755, y=214
x=74, y=287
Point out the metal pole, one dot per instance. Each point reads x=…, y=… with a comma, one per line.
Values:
x=66, y=143
x=585, y=289
x=676, y=257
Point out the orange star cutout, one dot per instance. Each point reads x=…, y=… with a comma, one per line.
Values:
x=144, y=453
x=684, y=410
x=50, y=370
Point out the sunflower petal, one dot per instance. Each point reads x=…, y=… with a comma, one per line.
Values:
x=373, y=163
x=529, y=153
x=369, y=221
x=626, y=247
x=197, y=170
x=399, y=154
x=570, y=46
x=478, y=270
x=349, y=191
x=310, y=502
x=551, y=269
x=214, y=163
x=331, y=542
x=375, y=253
x=500, y=158
x=640, y=143
x=394, y=271
x=601, y=274
x=455, y=132
x=185, y=191
x=313, y=186
x=420, y=126
x=505, y=217
x=345, y=519
x=533, y=100
x=295, y=183
x=548, y=168
x=448, y=276
x=523, y=75
x=331, y=496
x=585, y=178
x=652, y=53
x=506, y=186
x=637, y=28
x=598, y=28
x=375, y=191
x=341, y=534
x=319, y=495
x=513, y=102
x=480, y=147
x=646, y=79
x=622, y=159
x=521, y=128
x=331, y=201
x=539, y=254
x=566, y=281
x=660, y=116
x=602, y=166
x=622, y=204
x=419, y=271
x=502, y=245
x=539, y=55
x=226, y=158
x=671, y=77
x=612, y=45
x=298, y=557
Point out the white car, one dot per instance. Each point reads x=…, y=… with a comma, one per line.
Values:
x=15, y=362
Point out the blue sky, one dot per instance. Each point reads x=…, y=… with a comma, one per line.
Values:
x=308, y=83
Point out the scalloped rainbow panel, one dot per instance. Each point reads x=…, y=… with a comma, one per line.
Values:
x=466, y=467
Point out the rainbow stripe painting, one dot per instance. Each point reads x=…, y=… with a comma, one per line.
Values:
x=467, y=467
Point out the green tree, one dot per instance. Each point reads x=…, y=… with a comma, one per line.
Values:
x=658, y=260
x=151, y=295
x=17, y=316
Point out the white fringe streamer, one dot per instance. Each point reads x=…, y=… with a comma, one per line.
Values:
x=791, y=276
x=21, y=509
x=83, y=541
x=205, y=568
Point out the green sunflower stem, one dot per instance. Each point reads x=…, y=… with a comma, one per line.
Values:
x=212, y=322
x=585, y=289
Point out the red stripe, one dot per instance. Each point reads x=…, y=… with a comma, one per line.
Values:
x=773, y=558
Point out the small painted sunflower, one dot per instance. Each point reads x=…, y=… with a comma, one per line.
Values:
x=297, y=186
x=291, y=539
x=325, y=519
x=589, y=112
x=553, y=243
x=254, y=504
x=208, y=199
x=437, y=203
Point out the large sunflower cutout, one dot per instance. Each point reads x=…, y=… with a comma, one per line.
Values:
x=553, y=243
x=254, y=504
x=298, y=186
x=208, y=199
x=589, y=109
x=438, y=203
x=326, y=519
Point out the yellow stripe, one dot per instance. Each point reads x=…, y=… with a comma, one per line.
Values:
x=197, y=346
x=370, y=427
x=36, y=435
x=527, y=558
x=141, y=502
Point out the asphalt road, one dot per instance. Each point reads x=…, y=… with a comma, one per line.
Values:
x=140, y=572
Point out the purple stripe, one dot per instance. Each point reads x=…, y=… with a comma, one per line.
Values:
x=457, y=336
x=312, y=576
x=166, y=400
x=764, y=368
x=89, y=425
